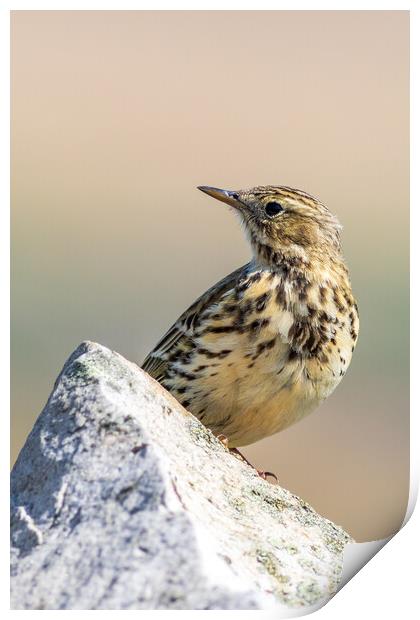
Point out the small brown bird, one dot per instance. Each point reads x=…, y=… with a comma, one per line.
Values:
x=267, y=344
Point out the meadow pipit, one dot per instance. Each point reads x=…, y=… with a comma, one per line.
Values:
x=265, y=345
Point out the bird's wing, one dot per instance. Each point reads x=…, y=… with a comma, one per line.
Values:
x=181, y=331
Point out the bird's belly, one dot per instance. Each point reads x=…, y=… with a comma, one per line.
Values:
x=260, y=411
x=249, y=399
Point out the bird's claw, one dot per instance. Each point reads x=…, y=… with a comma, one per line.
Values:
x=262, y=474
x=267, y=474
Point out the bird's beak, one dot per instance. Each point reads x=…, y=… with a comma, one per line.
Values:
x=231, y=198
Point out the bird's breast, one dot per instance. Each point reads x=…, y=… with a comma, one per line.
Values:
x=265, y=354
x=282, y=347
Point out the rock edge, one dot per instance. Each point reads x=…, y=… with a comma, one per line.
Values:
x=121, y=499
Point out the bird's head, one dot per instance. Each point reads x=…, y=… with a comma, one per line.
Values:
x=281, y=221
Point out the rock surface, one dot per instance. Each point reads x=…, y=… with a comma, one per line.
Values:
x=123, y=500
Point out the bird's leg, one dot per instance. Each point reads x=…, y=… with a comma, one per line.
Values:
x=223, y=440
x=263, y=474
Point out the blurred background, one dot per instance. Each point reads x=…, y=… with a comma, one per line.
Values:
x=118, y=115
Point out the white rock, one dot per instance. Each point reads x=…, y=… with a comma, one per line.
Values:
x=123, y=500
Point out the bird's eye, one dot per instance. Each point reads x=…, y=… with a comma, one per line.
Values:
x=273, y=208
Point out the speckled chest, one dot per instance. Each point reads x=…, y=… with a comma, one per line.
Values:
x=277, y=323
x=265, y=352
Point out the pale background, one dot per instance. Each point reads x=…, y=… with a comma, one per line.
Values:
x=117, y=116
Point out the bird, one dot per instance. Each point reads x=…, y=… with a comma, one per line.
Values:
x=265, y=345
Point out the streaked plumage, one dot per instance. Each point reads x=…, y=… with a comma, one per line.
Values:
x=265, y=345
